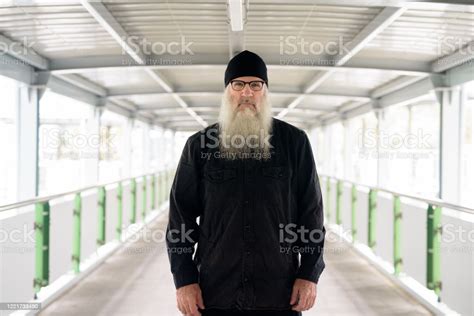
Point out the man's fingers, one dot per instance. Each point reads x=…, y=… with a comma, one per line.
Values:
x=188, y=298
x=180, y=306
x=307, y=304
x=187, y=306
x=302, y=302
x=294, y=296
x=313, y=299
x=192, y=306
x=298, y=307
x=200, y=301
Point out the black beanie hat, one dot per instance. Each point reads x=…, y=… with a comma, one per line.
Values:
x=246, y=64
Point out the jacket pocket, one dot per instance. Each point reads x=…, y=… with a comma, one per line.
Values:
x=220, y=175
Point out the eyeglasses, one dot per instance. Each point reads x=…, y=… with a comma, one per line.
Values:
x=239, y=85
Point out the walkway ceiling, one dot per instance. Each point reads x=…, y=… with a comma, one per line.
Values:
x=111, y=53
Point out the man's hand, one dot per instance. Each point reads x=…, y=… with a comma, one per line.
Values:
x=304, y=293
x=189, y=298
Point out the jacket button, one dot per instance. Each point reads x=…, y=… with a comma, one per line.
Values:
x=246, y=279
x=246, y=202
x=248, y=253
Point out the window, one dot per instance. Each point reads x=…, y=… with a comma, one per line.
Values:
x=111, y=156
x=138, y=148
x=8, y=140
x=363, y=149
x=156, y=151
x=467, y=147
x=68, y=147
x=337, y=150
x=425, y=151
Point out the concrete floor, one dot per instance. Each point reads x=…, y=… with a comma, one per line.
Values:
x=136, y=281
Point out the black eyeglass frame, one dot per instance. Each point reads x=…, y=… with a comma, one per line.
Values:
x=245, y=83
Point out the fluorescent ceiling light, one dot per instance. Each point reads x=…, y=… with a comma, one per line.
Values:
x=236, y=15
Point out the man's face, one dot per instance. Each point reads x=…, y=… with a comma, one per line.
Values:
x=247, y=98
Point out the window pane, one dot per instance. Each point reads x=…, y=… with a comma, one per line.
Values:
x=138, y=148
x=363, y=149
x=66, y=146
x=111, y=156
x=8, y=140
x=467, y=147
x=424, y=178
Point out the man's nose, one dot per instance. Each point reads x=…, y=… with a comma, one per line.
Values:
x=247, y=91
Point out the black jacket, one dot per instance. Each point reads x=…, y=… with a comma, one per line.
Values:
x=251, y=216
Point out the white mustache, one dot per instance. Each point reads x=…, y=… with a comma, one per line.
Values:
x=247, y=101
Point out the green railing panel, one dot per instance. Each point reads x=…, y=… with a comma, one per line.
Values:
x=144, y=197
x=372, y=218
x=353, y=212
x=76, y=237
x=161, y=189
x=41, y=226
x=153, y=192
x=433, y=264
x=397, y=221
x=433, y=224
x=160, y=183
x=133, y=193
x=338, y=202
x=118, y=229
x=101, y=216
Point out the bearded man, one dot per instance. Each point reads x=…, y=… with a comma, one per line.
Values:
x=251, y=180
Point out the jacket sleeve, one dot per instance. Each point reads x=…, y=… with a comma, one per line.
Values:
x=310, y=214
x=185, y=206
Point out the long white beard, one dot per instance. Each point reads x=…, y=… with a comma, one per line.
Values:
x=245, y=134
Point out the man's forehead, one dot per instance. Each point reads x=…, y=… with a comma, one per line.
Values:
x=248, y=78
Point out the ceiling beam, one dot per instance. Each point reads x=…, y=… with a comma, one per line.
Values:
x=459, y=57
x=19, y=63
x=115, y=94
x=102, y=15
x=423, y=4
x=85, y=84
x=169, y=89
x=414, y=4
x=199, y=62
x=369, y=32
x=394, y=85
x=459, y=75
x=23, y=53
x=412, y=92
x=16, y=69
x=405, y=95
x=65, y=88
